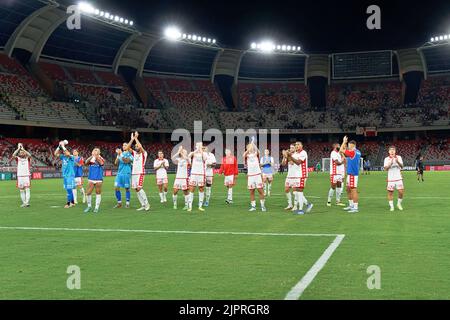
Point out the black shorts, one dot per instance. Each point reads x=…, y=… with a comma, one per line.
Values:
x=420, y=171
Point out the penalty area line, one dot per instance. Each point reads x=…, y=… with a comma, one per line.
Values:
x=301, y=286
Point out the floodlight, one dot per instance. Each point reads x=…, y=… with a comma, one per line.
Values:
x=267, y=46
x=86, y=7
x=102, y=13
x=214, y=41
x=253, y=45
x=172, y=33
x=96, y=11
x=189, y=37
x=209, y=40
x=131, y=23
x=184, y=35
x=107, y=15
x=194, y=37
x=204, y=39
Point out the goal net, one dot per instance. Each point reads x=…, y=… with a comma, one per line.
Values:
x=326, y=164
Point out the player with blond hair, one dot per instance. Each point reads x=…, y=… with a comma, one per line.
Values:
x=23, y=159
x=254, y=176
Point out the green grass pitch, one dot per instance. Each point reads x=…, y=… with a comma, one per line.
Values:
x=411, y=247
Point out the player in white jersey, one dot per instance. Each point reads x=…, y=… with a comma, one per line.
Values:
x=267, y=162
x=394, y=165
x=210, y=165
x=161, y=165
x=298, y=181
x=138, y=172
x=23, y=159
x=254, y=176
x=181, y=180
x=337, y=172
x=291, y=179
x=198, y=160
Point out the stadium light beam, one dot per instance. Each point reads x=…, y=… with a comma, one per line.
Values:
x=172, y=33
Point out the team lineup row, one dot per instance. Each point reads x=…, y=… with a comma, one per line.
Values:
x=195, y=170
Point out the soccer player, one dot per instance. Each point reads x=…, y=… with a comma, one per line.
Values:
x=68, y=171
x=138, y=173
x=419, y=168
x=348, y=149
x=393, y=164
x=124, y=161
x=210, y=165
x=198, y=175
x=337, y=172
x=301, y=160
x=23, y=159
x=254, y=176
x=291, y=181
x=161, y=165
x=181, y=180
x=79, y=162
x=95, y=180
x=229, y=168
x=267, y=163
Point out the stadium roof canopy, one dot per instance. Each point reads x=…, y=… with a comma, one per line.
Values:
x=39, y=27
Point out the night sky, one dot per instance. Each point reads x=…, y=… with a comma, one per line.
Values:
x=316, y=25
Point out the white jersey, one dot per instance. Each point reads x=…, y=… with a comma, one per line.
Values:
x=304, y=165
x=211, y=159
x=394, y=172
x=253, y=167
x=293, y=169
x=23, y=167
x=139, y=162
x=336, y=169
x=161, y=173
x=182, y=168
x=198, y=164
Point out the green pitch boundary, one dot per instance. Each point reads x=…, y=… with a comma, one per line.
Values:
x=296, y=291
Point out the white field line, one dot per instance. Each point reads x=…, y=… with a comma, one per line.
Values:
x=295, y=292
x=301, y=286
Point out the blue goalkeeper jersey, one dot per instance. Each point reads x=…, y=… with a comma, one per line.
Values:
x=79, y=169
x=95, y=171
x=266, y=163
x=125, y=168
x=68, y=166
x=353, y=158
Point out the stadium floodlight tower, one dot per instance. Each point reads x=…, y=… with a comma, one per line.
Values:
x=173, y=33
x=89, y=10
x=268, y=46
x=442, y=39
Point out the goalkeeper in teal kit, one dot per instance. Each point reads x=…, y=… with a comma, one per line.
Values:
x=123, y=179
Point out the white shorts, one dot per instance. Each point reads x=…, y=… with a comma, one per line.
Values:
x=94, y=182
x=137, y=181
x=335, y=178
x=295, y=182
x=78, y=181
x=229, y=181
x=161, y=181
x=180, y=184
x=352, y=181
x=395, y=185
x=254, y=182
x=209, y=180
x=197, y=180
x=23, y=182
x=267, y=176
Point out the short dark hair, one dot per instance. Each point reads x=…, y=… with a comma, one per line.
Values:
x=352, y=142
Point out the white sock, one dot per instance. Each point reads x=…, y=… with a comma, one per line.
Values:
x=300, y=199
x=350, y=203
x=289, y=199
x=269, y=186
x=338, y=194
x=161, y=196
x=139, y=198
x=230, y=194
x=83, y=192
x=304, y=198
x=174, y=199
x=262, y=201
x=253, y=203
x=399, y=201
x=98, y=200
x=330, y=194
x=391, y=204
x=75, y=193
x=89, y=200
x=186, y=199
x=143, y=196
x=27, y=195
x=355, y=205
x=191, y=199
x=165, y=195
x=208, y=193
x=265, y=188
x=201, y=197
x=22, y=196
